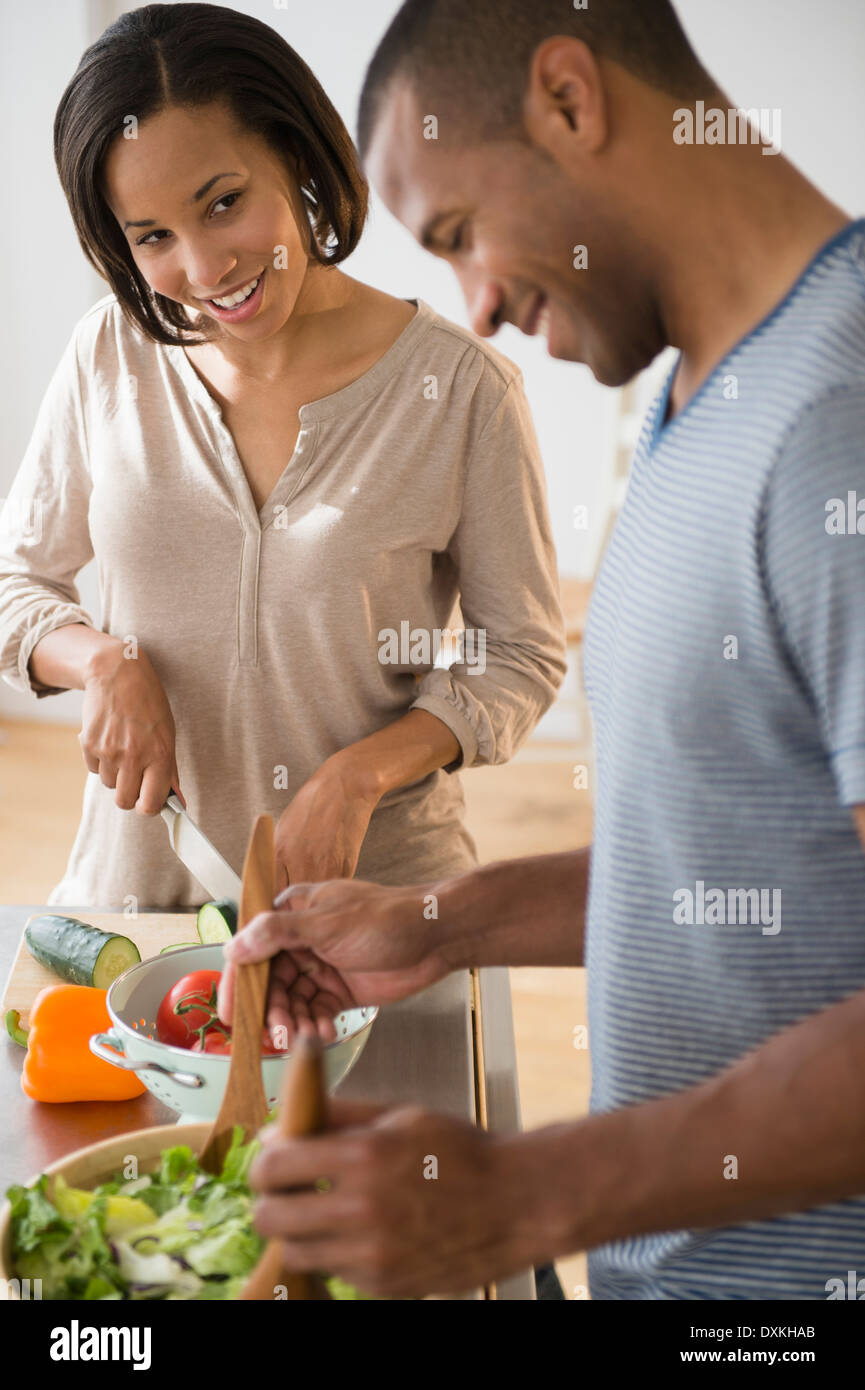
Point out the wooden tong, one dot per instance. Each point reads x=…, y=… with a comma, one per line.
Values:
x=302, y=1102
x=301, y=1111
x=244, y=1102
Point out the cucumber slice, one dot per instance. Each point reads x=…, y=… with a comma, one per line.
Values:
x=14, y=1029
x=178, y=946
x=217, y=922
x=122, y=1214
x=78, y=953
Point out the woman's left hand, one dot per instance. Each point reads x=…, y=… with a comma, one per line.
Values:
x=320, y=833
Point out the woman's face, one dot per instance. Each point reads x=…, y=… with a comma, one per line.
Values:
x=220, y=210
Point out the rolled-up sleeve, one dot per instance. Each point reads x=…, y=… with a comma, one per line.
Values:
x=44, y=529
x=513, y=656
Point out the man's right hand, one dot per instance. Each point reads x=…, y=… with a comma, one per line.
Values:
x=127, y=735
x=336, y=945
x=339, y=944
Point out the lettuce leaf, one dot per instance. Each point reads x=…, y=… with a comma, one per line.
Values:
x=201, y=1243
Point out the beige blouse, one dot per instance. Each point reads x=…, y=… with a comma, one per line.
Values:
x=283, y=634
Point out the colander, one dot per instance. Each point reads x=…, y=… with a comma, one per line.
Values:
x=192, y=1083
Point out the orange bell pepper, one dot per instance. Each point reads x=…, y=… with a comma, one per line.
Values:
x=59, y=1065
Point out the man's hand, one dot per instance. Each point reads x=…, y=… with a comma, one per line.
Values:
x=417, y=1203
x=338, y=944
x=334, y=946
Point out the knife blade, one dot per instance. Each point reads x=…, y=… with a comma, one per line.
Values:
x=201, y=858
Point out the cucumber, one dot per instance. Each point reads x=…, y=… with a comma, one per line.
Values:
x=217, y=921
x=78, y=953
x=122, y=1214
x=178, y=946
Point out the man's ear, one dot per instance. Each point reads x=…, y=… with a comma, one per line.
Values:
x=565, y=104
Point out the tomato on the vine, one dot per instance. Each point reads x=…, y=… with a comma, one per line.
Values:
x=187, y=1017
x=218, y=1041
x=188, y=1008
x=214, y=1041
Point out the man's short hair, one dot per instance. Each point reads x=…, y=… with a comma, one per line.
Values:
x=468, y=60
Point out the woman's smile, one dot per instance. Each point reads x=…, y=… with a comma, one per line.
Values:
x=240, y=304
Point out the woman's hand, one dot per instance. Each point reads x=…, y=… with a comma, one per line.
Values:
x=127, y=729
x=320, y=833
x=334, y=946
x=319, y=836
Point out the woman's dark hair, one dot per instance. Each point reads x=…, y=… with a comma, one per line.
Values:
x=192, y=55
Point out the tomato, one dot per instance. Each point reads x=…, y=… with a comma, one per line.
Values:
x=214, y=1041
x=179, y=1020
x=268, y=1047
x=218, y=1043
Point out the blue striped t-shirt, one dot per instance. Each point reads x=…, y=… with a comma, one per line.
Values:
x=725, y=668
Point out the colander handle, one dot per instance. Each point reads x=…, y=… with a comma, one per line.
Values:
x=110, y=1048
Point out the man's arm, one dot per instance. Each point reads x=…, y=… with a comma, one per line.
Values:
x=791, y=1112
x=518, y=912
x=347, y=942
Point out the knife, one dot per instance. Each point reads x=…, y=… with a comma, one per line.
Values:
x=193, y=849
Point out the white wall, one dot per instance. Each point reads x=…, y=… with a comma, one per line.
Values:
x=808, y=60
x=48, y=284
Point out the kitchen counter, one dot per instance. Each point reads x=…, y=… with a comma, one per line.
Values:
x=450, y=1048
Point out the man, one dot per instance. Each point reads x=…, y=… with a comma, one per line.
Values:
x=571, y=184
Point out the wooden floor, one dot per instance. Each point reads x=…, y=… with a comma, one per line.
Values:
x=526, y=807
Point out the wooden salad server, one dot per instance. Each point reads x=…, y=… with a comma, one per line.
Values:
x=301, y=1111
x=244, y=1102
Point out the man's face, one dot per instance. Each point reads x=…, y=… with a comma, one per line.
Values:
x=512, y=225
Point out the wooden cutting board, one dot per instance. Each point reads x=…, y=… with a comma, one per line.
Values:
x=150, y=931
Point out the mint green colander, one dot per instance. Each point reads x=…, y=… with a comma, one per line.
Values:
x=192, y=1083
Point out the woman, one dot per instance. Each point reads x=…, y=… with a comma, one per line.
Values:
x=286, y=478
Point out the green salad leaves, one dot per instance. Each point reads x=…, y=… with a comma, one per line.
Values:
x=178, y=1233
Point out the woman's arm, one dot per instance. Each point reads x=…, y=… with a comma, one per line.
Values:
x=513, y=660
x=320, y=834
x=63, y=659
x=403, y=752
x=127, y=729
x=45, y=543
x=48, y=643
x=480, y=709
